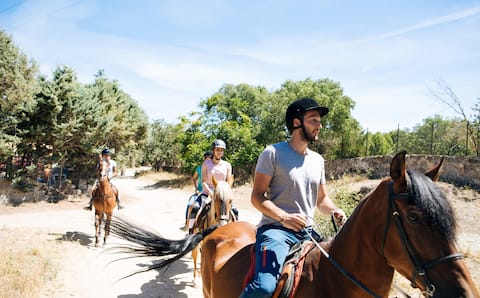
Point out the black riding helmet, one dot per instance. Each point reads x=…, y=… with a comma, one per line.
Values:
x=298, y=108
x=106, y=151
x=208, y=154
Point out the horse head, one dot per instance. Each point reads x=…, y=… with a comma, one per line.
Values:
x=419, y=234
x=102, y=168
x=221, y=202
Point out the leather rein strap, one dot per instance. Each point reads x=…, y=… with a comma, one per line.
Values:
x=420, y=268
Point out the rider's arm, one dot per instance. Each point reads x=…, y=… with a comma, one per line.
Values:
x=195, y=179
x=259, y=200
x=204, y=173
x=326, y=205
x=114, y=170
x=229, y=176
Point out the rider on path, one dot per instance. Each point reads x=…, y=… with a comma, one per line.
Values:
x=112, y=173
x=214, y=167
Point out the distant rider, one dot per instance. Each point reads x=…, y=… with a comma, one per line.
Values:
x=215, y=167
x=197, y=184
x=112, y=173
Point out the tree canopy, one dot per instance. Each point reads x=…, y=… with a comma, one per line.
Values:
x=63, y=121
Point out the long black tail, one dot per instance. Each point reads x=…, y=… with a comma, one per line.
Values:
x=148, y=243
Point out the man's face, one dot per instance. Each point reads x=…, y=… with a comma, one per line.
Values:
x=106, y=156
x=312, y=123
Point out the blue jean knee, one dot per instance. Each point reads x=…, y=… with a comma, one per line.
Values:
x=271, y=248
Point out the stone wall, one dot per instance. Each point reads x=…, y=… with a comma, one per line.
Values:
x=457, y=170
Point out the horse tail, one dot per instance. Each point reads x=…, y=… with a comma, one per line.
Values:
x=148, y=243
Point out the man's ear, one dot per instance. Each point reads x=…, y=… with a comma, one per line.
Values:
x=297, y=123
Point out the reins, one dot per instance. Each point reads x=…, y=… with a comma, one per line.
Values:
x=340, y=268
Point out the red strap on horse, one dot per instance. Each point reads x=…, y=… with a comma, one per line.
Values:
x=251, y=270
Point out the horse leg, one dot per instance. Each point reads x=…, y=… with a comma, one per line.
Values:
x=195, y=269
x=97, y=227
x=107, y=227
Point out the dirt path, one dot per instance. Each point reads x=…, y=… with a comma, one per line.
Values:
x=85, y=271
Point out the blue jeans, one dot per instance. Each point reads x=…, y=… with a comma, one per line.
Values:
x=271, y=248
x=189, y=203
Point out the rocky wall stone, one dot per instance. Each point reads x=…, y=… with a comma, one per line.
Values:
x=457, y=170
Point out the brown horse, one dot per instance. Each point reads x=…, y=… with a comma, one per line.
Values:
x=217, y=211
x=405, y=224
x=104, y=200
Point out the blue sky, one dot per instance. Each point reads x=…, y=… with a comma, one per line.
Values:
x=169, y=55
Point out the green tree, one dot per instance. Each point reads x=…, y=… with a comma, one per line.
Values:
x=162, y=146
x=476, y=125
x=193, y=141
x=379, y=144
x=17, y=87
x=119, y=121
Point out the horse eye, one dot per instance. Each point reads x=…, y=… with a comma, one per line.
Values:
x=413, y=217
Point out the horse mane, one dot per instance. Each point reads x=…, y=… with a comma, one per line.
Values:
x=429, y=198
x=223, y=190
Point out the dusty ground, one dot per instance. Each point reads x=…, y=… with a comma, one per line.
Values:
x=86, y=271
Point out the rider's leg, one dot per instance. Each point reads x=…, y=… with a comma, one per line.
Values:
x=193, y=213
x=271, y=249
x=187, y=217
x=235, y=211
x=92, y=195
x=117, y=197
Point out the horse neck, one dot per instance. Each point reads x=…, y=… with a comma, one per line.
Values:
x=104, y=186
x=357, y=249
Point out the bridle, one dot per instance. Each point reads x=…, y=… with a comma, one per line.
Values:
x=421, y=269
x=104, y=170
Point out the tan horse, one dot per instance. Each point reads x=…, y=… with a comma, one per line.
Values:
x=104, y=201
x=405, y=224
x=217, y=210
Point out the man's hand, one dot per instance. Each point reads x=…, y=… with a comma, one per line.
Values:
x=339, y=216
x=294, y=221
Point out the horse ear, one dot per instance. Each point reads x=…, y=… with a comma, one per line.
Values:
x=214, y=181
x=398, y=169
x=435, y=172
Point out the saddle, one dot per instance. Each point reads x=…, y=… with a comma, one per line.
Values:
x=292, y=269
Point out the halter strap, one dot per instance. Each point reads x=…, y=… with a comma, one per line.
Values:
x=420, y=268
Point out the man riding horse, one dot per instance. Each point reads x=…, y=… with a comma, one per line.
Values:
x=294, y=177
x=112, y=172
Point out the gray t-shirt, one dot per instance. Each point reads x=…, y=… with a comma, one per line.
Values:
x=295, y=178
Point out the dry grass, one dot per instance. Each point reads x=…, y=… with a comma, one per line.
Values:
x=26, y=263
